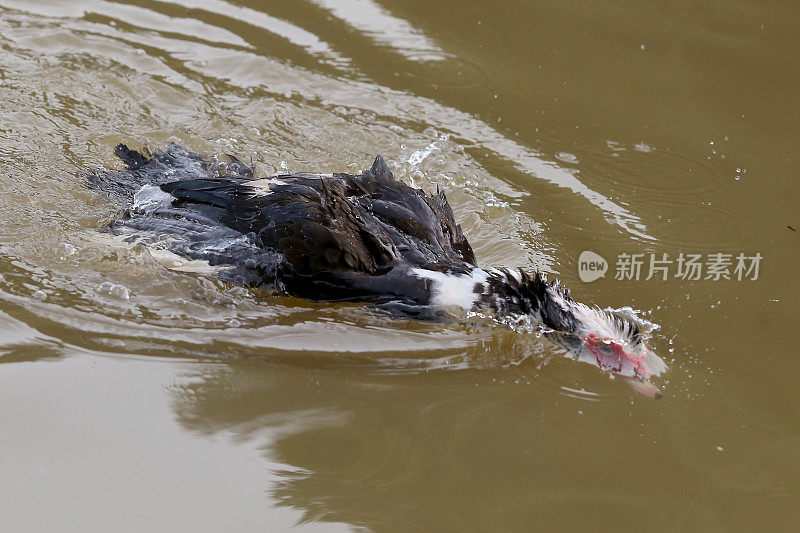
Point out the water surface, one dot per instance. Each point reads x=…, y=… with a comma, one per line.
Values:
x=134, y=397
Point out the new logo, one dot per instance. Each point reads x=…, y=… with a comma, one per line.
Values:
x=591, y=266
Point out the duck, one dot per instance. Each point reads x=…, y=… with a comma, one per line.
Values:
x=341, y=237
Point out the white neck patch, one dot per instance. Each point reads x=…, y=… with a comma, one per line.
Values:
x=453, y=290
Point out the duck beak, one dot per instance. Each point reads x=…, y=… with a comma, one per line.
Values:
x=643, y=387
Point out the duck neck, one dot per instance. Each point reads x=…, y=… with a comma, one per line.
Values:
x=513, y=293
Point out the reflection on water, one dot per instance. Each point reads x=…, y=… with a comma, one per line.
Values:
x=263, y=21
x=461, y=450
x=372, y=20
x=554, y=129
x=379, y=452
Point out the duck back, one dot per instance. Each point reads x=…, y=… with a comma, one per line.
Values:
x=320, y=236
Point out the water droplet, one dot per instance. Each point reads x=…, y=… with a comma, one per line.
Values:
x=120, y=291
x=65, y=249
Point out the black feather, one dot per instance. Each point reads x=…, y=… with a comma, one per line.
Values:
x=131, y=158
x=322, y=227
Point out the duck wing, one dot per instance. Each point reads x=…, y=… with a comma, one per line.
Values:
x=422, y=225
x=363, y=223
x=307, y=218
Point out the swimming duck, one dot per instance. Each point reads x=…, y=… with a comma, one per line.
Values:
x=340, y=237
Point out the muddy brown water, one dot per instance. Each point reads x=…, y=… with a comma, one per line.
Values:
x=135, y=398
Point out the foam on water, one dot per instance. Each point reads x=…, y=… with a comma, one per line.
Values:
x=150, y=197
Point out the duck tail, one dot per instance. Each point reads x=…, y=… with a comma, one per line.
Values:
x=131, y=158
